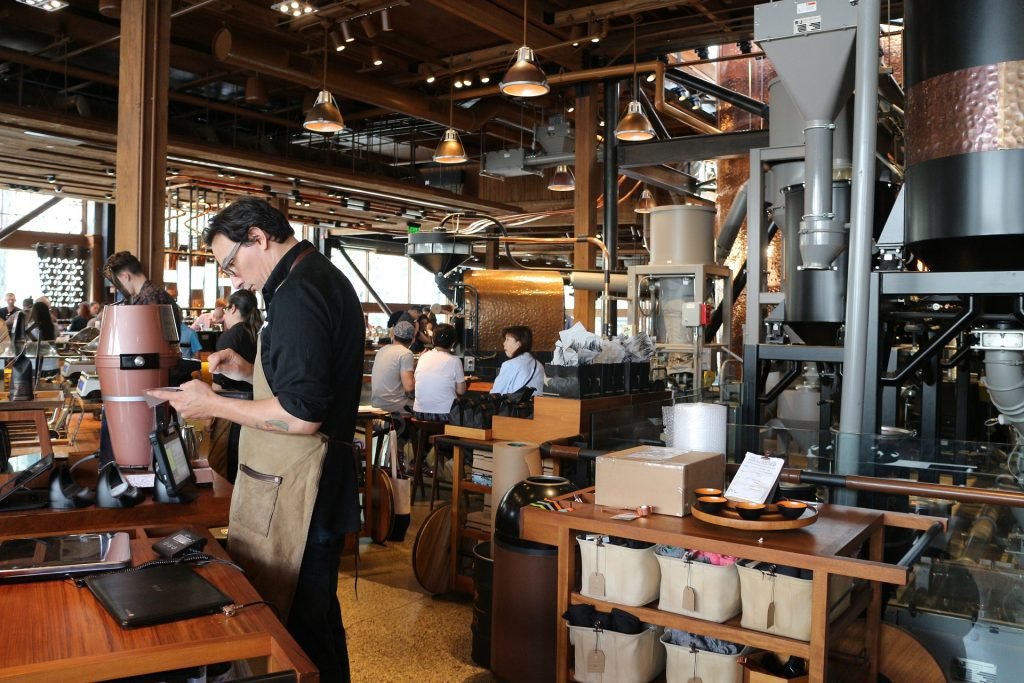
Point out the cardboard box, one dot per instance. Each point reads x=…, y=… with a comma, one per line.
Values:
x=658, y=476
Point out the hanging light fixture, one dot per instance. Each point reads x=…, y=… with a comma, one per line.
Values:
x=646, y=202
x=324, y=117
x=337, y=40
x=385, y=20
x=368, y=26
x=450, y=149
x=346, y=32
x=562, y=180
x=375, y=55
x=524, y=78
x=634, y=125
x=256, y=91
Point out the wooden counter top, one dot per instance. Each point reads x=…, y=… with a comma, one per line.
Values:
x=53, y=631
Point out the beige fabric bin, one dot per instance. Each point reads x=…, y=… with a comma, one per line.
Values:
x=628, y=658
x=682, y=664
x=792, y=596
x=631, y=575
x=716, y=588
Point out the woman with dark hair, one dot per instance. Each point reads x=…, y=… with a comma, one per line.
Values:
x=521, y=369
x=424, y=335
x=81, y=319
x=242, y=319
x=439, y=378
x=40, y=323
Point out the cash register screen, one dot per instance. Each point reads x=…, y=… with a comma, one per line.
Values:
x=171, y=458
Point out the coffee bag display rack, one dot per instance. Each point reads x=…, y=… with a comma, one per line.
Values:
x=827, y=548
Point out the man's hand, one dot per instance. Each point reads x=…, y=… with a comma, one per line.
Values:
x=195, y=400
x=230, y=364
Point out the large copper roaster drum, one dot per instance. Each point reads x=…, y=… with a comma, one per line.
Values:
x=138, y=346
x=535, y=298
x=965, y=133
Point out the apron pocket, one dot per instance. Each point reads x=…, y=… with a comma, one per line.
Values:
x=257, y=497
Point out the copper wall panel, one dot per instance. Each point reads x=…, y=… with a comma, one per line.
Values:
x=977, y=109
x=519, y=297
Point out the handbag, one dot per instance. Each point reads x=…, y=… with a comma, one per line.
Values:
x=402, y=492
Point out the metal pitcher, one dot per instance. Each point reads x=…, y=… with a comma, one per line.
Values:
x=191, y=439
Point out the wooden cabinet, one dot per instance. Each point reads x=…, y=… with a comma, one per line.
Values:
x=828, y=547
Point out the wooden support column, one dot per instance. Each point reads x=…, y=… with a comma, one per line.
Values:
x=585, y=200
x=142, y=132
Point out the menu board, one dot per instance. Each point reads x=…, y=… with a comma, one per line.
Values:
x=756, y=479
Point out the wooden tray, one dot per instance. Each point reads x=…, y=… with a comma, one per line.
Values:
x=771, y=520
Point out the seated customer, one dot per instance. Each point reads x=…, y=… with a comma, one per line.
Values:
x=393, y=379
x=439, y=378
x=206, y=321
x=521, y=369
x=81, y=319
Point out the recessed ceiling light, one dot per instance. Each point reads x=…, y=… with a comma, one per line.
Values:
x=48, y=5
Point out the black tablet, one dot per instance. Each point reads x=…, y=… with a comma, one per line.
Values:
x=51, y=557
x=172, y=465
x=34, y=465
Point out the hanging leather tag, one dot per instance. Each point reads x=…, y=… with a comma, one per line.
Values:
x=689, y=599
x=595, y=584
x=770, y=618
x=595, y=662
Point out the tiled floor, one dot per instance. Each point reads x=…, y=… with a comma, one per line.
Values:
x=396, y=631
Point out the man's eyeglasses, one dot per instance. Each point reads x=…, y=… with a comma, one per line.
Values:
x=229, y=262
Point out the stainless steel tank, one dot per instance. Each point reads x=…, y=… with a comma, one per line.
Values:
x=964, y=64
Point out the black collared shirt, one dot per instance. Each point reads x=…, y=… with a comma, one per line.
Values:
x=312, y=357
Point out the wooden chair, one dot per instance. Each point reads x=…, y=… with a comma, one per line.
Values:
x=37, y=418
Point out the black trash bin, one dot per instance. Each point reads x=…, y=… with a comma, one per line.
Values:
x=525, y=589
x=483, y=580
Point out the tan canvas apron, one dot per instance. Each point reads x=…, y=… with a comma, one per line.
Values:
x=272, y=503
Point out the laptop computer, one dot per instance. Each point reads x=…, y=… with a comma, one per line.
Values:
x=156, y=595
x=54, y=557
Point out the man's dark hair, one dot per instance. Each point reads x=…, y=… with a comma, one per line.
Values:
x=523, y=335
x=124, y=261
x=444, y=336
x=244, y=213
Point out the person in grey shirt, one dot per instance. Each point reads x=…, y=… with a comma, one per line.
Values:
x=393, y=377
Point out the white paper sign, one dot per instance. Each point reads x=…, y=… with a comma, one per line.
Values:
x=755, y=479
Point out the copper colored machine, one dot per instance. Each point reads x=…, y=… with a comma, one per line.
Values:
x=138, y=346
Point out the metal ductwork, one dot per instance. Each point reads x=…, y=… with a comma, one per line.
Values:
x=811, y=51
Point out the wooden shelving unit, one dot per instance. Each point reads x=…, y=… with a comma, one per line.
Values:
x=828, y=547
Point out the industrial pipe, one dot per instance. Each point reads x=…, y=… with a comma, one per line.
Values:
x=731, y=224
x=610, y=226
x=855, y=352
x=719, y=92
x=934, y=346
x=594, y=282
x=822, y=236
x=562, y=449
x=1004, y=379
x=366, y=283
x=905, y=487
x=920, y=545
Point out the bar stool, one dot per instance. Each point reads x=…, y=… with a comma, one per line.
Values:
x=420, y=432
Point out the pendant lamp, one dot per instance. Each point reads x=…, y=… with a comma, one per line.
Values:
x=646, y=202
x=524, y=78
x=256, y=91
x=450, y=150
x=634, y=125
x=324, y=117
x=563, y=179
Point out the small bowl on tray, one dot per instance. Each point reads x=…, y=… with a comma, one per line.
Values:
x=712, y=504
x=791, y=509
x=707, y=492
x=749, y=511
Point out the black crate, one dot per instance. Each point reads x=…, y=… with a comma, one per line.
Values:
x=638, y=377
x=582, y=381
x=613, y=378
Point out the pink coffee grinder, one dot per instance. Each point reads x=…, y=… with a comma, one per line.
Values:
x=138, y=346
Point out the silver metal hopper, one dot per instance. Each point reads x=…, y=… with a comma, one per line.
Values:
x=810, y=45
x=439, y=251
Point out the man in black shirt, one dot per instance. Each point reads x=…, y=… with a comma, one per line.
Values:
x=10, y=308
x=124, y=270
x=307, y=380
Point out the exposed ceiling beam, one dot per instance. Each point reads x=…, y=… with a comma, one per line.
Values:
x=509, y=26
x=35, y=213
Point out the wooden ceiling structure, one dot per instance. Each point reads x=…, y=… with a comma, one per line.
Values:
x=59, y=96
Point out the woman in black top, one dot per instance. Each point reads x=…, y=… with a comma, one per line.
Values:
x=243, y=321
x=82, y=319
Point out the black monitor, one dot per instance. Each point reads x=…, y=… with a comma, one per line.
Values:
x=172, y=465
